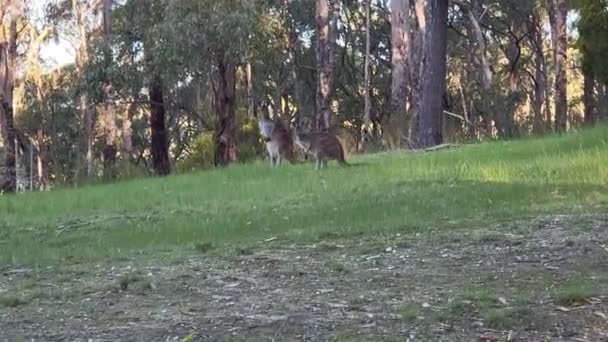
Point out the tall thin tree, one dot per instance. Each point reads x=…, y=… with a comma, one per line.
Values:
x=8, y=66
x=326, y=36
x=80, y=12
x=159, y=138
x=416, y=57
x=225, y=137
x=433, y=77
x=558, y=13
x=109, y=123
x=367, y=119
x=399, y=59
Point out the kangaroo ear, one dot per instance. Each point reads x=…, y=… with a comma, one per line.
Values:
x=266, y=127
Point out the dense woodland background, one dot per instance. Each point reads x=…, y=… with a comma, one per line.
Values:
x=162, y=86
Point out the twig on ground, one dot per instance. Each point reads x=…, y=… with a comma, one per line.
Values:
x=67, y=226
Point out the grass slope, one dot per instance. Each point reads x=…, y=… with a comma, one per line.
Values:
x=465, y=188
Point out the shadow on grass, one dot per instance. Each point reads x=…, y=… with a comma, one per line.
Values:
x=346, y=211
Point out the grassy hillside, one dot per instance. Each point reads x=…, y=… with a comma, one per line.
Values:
x=470, y=187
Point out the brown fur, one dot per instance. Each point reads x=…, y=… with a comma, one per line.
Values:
x=322, y=147
x=279, y=142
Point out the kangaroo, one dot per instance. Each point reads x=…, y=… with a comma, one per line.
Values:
x=279, y=143
x=321, y=146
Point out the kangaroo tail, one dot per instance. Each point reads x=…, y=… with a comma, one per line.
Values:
x=342, y=161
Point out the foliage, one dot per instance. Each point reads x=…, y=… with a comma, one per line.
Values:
x=200, y=156
x=183, y=40
x=593, y=30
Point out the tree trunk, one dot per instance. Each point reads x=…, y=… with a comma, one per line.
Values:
x=8, y=65
x=225, y=137
x=589, y=99
x=294, y=48
x=473, y=13
x=400, y=37
x=325, y=61
x=433, y=77
x=199, y=99
x=250, y=98
x=86, y=117
x=417, y=61
x=602, y=109
x=557, y=18
x=42, y=161
x=367, y=120
x=160, y=142
x=540, y=72
x=109, y=150
x=86, y=113
x=127, y=131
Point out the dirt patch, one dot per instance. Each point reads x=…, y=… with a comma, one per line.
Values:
x=550, y=284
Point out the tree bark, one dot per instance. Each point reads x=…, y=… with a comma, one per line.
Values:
x=433, y=77
x=417, y=61
x=400, y=38
x=473, y=14
x=367, y=119
x=159, y=139
x=540, y=72
x=558, y=12
x=42, y=162
x=250, y=98
x=602, y=110
x=109, y=150
x=294, y=48
x=127, y=131
x=199, y=99
x=589, y=98
x=325, y=61
x=86, y=113
x=225, y=137
x=8, y=65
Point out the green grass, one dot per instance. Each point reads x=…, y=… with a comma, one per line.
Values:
x=10, y=301
x=486, y=304
x=464, y=188
x=134, y=279
x=576, y=291
x=410, y=312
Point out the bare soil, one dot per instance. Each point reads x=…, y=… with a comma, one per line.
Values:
x=544, y=282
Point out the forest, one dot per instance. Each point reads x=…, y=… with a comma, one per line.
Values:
x=159, y=87
x=468, y=202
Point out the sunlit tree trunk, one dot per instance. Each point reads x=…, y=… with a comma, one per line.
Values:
x=8, y=65
x=225, y=138
x=417, y=60
x=400, y=37
x=558, y=12
x=86, y=112
x=326, y=35
x=109, y=123
x=540, y=72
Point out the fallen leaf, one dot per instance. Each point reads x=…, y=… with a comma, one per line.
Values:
x=562, y=309
x=323, y=291
x=601, y=314
x=187, y=338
